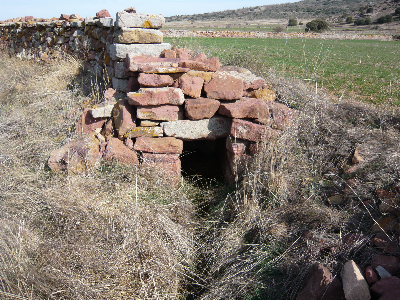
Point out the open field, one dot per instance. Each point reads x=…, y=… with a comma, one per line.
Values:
x=364, y=70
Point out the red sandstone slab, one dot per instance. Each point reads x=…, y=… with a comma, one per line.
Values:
x=87, y=124
x=160, y=69
x=236, y=146
x=250, y=131
x=282, y=115
x=246, y=108
x=224, y=87
x=170, y=164
x=152, y=131
x=201, y=108
x=191, y=86
x=155, y=80
x=134, y=62
x=124, y=116
x=160, y=113
x=156, y=96
x=159, y=145
x=116, y=150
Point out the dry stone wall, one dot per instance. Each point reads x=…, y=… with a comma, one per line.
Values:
x=161, y=97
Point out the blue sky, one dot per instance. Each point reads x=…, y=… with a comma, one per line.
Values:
x=48, y=8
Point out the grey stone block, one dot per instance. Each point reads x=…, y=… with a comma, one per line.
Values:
x=140, y=20
x=119, y=69
x=120, y=85
x=106, y=22
x=119, y=51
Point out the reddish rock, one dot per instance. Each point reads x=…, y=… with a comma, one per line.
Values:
x=250, y=131
x=387, y=288
x=159, y=145
x=155, y=80
x=108, y=130
x=213, y=64
x=64, y=17
x=370, y=275
x=160, y=113
x=191, y=86
x=317, y=283
x=77, y=156
x=75, y=17
x=224, y=88
x=116, y=150
x=354, y=238
x=200, y=57
x=355, y=286
x=236, y=146
x=201, y=108
x=135, y=62
x=133, y=85
x=151, y=131
x=103, y=14
x=246, y=108
x=183, y=53
x=87, y=124
x=386, y=224
x=156, y=96
x=282, y=115
x=129, y=143
x=110, y=95
x=28, y=18
x=238, y=163
x=382, y=242
x=389, y=263
x=124, y=116
x=169, y=164
x=168, y=53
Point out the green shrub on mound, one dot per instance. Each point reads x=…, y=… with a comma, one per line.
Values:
x=317, y=26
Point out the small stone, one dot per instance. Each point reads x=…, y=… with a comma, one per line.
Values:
x=168, y=53
x=335, y=199
x=386, y=224
x=64, y=17
x=390, y=263
x=200, y=57
x=116, y=150
x=144, y=132
x=355, y=286
x=382, y=272
x=206, y=76
x=156, y=96
x=148, y=123
x=110, y=95
x=87, y=124
x=103, y=14
x=103, y=111
x=382, y=241
x=182, y=53
x=224, y=88
x=160, y=113
x=201, y=108
x=131, y=10
x=159, y=145
x=124, y=116
x=191, y=86
x=387, y=288
x=370, y=275
x=155, y=80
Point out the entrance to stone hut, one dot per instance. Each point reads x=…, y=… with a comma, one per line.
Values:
x=203, y=159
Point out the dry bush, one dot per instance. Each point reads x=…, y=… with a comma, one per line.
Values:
x=114, y=233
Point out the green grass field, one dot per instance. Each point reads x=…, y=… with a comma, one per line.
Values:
x=364, y=70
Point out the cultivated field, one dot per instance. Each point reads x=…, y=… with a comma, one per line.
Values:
x=361, y=70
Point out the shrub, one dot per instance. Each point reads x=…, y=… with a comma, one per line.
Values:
x=349, y=20
x=359, y=22
x=397, y=11
x=292, y=22
x=370, y=10
x=385, y=19
x=279, y=29
x=317, y=25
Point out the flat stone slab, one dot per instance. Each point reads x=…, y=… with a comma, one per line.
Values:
x=159, y=145
x=139, y=35
x=250, y=80
x=207, y=129
x=224, y=87
x=201, y=108
x=134, y=61
x=103, y=111
x=170, y=164
x=124, y=117
x=160, y=113
x=191, y=86
x=246, y=108
x=249, y=131
x=156, y=96
x=144, y=132
x=155, y=80
x=119, y=51
x=139, y=20
x=116, y=150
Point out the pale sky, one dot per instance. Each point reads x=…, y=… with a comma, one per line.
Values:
x=47, y=8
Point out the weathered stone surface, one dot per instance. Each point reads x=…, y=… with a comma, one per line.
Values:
x=370, y=275
x=170, y=164
x=250, y=80
x=206, y=76
x=238, y=163
x=77, y=156
x=156, y=96
x=236, y=146
x=201, y=108
x=250, y=131
x=211, y=64
x=282, y=115
x=207, y=129
x=134, y=62
x=120, y=85
x=124, y=116
x=159, y=145
x=382, y=241
x=144, y=132
x=161, y=70
x=335, y=199
x=387, y=288
x=355, y=286
x=168, y=53
x=264, y=94
x=386, y=224
x=390, y=263
x=120, y=50
x=139, y=20
x=183, y=53
x=87, y=124
x=245, y=108
x=224, y=87
x=103, y=14
x=148, y=123
x=103, y=111
x=116, y=150
x=119, y=70
x=320, y=284
x=133, y=85
x=160, y=113
x=108, y=130
x=138, y=35
x=131, y=10
x=191, y=86
x=155, y=80
x=382, y=273
x=200, y=57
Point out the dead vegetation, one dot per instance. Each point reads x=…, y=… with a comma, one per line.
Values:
x=117, y=233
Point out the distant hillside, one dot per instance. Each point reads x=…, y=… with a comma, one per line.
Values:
x=305, y=9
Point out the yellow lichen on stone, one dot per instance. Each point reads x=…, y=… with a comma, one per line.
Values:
x=147, y=24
